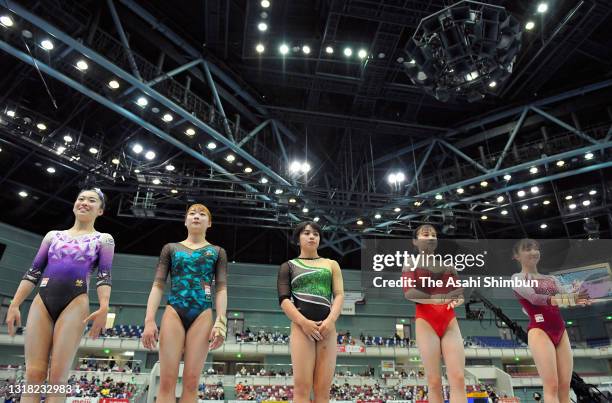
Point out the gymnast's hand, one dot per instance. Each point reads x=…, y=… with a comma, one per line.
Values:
x=311, y=330
x=324, y=327
x=216, y=339
x=583, y=298
x=150, y=335
x=99, y=322
x=455, y=302
x=13, y=316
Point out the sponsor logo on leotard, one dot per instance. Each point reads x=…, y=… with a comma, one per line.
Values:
x=539, y=318
x=79, y=283
x=44, y=282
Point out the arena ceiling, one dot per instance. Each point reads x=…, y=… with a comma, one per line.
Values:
x=484, y=169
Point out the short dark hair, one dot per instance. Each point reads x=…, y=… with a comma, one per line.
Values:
x=300, y=228
x=523, y=244
x=420, y=228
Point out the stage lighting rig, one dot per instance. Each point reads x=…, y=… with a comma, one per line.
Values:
x=464, y=51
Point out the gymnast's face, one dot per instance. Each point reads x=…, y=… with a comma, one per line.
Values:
x=427, y=239
x=87, y=206
x=197, y=220
x=528, y=255
x=309, y=238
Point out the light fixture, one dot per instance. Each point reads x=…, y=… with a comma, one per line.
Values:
x=507, y=177
x=51, y=170
x=500, y=199
x=248, y=170
x=520, y=193
x=167, y=117
x=295, y=166
x=534, y=189
x=460, y=191
x=10, y=113
x=230, y=158
x=533, y=170
x=113, y=84
x=190, y=132
x=292, y=200
x=504, y=212
x=439, y=196
x=493, y=84
x=484, y=217
x=348, y=52
x=82, y=65
x=23, y=193
x=173, y=191
x=6, y=21
x=41, y=126
x=568, y=197
x=170, y=167
x=283, y=49
x=572, y=206
x=524, y=207
x=484, y=184
x=329, y=50
x=265, y=3
x=93, y=150
x=396, y=177
x=530, y=25
x=47, y=44
x=586, y=203
x=359, y=222
x=397, y=209
x=278, y=191
x=136, y=171
x=542, y=8
x=543, y=226
x=306, y=49
x=316, y=219
x=115, y=161
x=142, y=102
x=211, y=145
x=156, y=181
x=264, y=180
x=377, y=216
x=305, y=210
x=361, y=54
x=560, y=163
x=137, y=148
x=60, y=150
x=150, y=155
x=593, y=192
x=260, y=48
x=262, y=26
x=546, y=202
x=68, y=138
x=588, y=156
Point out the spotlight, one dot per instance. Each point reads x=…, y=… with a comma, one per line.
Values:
x=316, y=219
x=305, y=210
x=460, y=191
x=262, y=26
x=46, y=44
x=211, y=145
x=493, y=84
x=295, y=166
x=113, y=84
x=284, y=49
x=305, y=167
x=93, y=150
x=82, y=65
x=348, y=52
x=586, y=203
x=359, y=222
x=397, y=209
x=530, y=25
x=439, y=196
x=278, y=192
x=484, y=218
x=534, y=189
x=417, y=203
x=504, y=212
x=150, y=155
x=142, y=102
x=588, y=156
x=560, y=163
x=260, y=48
x=264, y=180
x=60, y=150
x=156, y=181
x=533, y=170
x=520, y=193
x=593, y=192
x=137, y=148
x=542, y=8
x=136, y=171
x=6, y=21
x=115, y=161
x=248, y=170
x=230, y=158
x=170, y=168
x=500, y=199
x=396, y=177
x=167, y=117
x=51, y=170
x=507, y=177
x=306, y=49
x=10, y=114
x=572, y=206
x=23, y=193
x=546, y=202
x=68, y=138
x=173, y=191
x=484, y=184
x=265, y=3
x=544, y=226
x=361, y=54
x=377, y=216
x=391, y=178
x=568, y=197
x=400, y=177
x=190, y=132
x=524, y=207
x=329, y=50
x=292, y=200
x=41, y=126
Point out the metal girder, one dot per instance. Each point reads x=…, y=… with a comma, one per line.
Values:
x=463, y=155
x=415, y=178
x=564, y=125
x=124, y=40
x=252, y=133
x=513, y=134
x=217, y=100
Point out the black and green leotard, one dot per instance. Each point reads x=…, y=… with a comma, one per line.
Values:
x=309, y=284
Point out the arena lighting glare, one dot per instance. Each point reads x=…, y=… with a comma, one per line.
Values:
x=461, y=49
x=329, y=50
x=530, y=25
x=82, y=65
x=542, y=8
x=504, y=212
x=397, y=209
x=262, y=26
x=47, y=44
x=265, y=3
x=260, y=48
x=544, y=226
x=306, y=49
x=211, y=146
x=150, y=155
x=284, y=49
x=6, y=21
x=113, y=84
x=142, y=101
x=348, y=52
x=68, y=138
x=507, y=177
x=190, y=132
x=137, y=148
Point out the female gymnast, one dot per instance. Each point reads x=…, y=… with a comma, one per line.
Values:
x=60, y=311
x=547, y=337
x=437, y=330
x=187, y=324
x=305, y=288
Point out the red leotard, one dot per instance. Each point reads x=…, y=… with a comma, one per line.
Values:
x=437, y=315
x=536, y=302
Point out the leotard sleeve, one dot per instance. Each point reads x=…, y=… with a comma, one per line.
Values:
x=105, y=260
x=221, y=270
x=163, y=266
x=283, y=283
x=35, y=272
x=530, y=294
